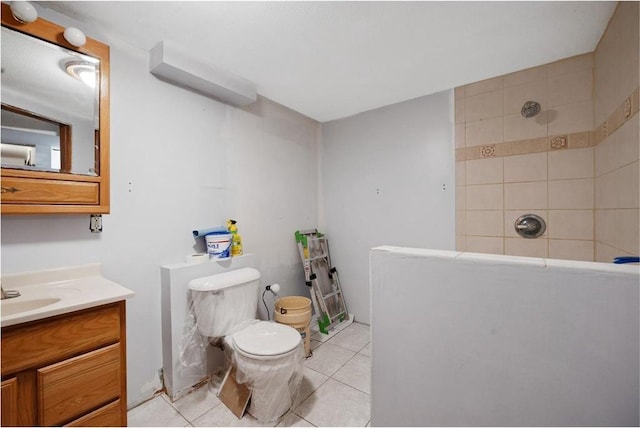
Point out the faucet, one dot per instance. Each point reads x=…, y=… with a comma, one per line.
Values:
x=9, y=294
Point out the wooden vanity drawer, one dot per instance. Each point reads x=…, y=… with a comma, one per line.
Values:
x=43, y=342
x=39, y=191
x=75, y=386
x=105, y=416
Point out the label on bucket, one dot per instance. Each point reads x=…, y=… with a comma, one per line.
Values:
x=218, y=246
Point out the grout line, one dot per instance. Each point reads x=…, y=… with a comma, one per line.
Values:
x=548, y=252
x=168, y=400
x=156, y=394
x=352, y=387
x=162, y=396
x=303, y=418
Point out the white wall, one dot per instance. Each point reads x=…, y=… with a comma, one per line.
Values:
x=464, y=339
x=179, y=161
x=387, y=179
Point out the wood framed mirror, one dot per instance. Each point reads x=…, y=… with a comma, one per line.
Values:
x=55, y=120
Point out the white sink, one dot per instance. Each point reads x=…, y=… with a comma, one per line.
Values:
x=17, y=304
x=57, y=291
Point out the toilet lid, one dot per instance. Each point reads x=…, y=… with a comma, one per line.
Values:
x=267, y=338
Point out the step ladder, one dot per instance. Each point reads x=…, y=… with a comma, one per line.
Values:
x=322, y=278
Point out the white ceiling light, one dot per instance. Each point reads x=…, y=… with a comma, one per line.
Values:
x=75, y=36
x=83, y=71
x=23, y=11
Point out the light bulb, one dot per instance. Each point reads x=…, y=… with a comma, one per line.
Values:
x=88, y=77
x=23, y=11
x=75, y=36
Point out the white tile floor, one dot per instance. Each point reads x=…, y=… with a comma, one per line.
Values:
x=334, y=392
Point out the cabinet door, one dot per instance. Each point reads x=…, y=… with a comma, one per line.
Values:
x=9, y=391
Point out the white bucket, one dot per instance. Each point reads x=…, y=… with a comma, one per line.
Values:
x=218, y=246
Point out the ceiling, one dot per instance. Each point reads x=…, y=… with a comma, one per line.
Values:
x=330, y=60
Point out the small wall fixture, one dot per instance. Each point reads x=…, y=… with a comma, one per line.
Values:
x=95, y=223
x=530, y=226
x=75, y=37
x=530, y=109
x=23, y=11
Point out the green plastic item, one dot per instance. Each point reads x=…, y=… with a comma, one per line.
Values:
x=300, y=238
x=323, y=323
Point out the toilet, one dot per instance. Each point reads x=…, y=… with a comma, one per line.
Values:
x=268, y=356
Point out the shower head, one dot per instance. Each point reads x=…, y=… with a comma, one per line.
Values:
x=530, y=109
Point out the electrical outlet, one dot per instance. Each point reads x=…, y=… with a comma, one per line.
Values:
x=95, y=223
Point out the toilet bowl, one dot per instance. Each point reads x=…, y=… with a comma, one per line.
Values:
x=268, y=356
x=265, y=340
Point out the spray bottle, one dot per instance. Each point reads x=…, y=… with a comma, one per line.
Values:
x=236, y=239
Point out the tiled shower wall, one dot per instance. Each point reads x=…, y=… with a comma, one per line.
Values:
x=507, y=165
x=616, y=156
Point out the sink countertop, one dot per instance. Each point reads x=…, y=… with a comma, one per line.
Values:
x=70, y=289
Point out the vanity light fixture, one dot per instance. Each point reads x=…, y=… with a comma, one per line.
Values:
x=83, y=71
x=75, y=36
x=23, y=11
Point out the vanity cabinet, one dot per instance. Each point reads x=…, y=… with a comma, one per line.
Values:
x=58, y=124
x=66, y=370
x=9, y=394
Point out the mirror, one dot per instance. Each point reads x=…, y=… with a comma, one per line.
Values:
x=50, y=106
x=55, y=120
x=32, y=141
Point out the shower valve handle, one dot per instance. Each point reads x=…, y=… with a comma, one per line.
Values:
x=530, y=226
x=526, y=226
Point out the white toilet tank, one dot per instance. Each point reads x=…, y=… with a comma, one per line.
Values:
x=222, y=301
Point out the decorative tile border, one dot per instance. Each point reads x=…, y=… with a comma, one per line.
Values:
x=559, y=142
x=624, y=112
x=488, y=151
x=576, y=140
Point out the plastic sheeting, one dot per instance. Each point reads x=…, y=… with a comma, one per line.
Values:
x=193, y=348
x=220, y=310
x=274, y=382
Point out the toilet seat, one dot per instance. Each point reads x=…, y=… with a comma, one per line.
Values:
x=266, y=340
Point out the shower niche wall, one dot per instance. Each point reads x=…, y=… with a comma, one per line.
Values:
x=573, y=161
